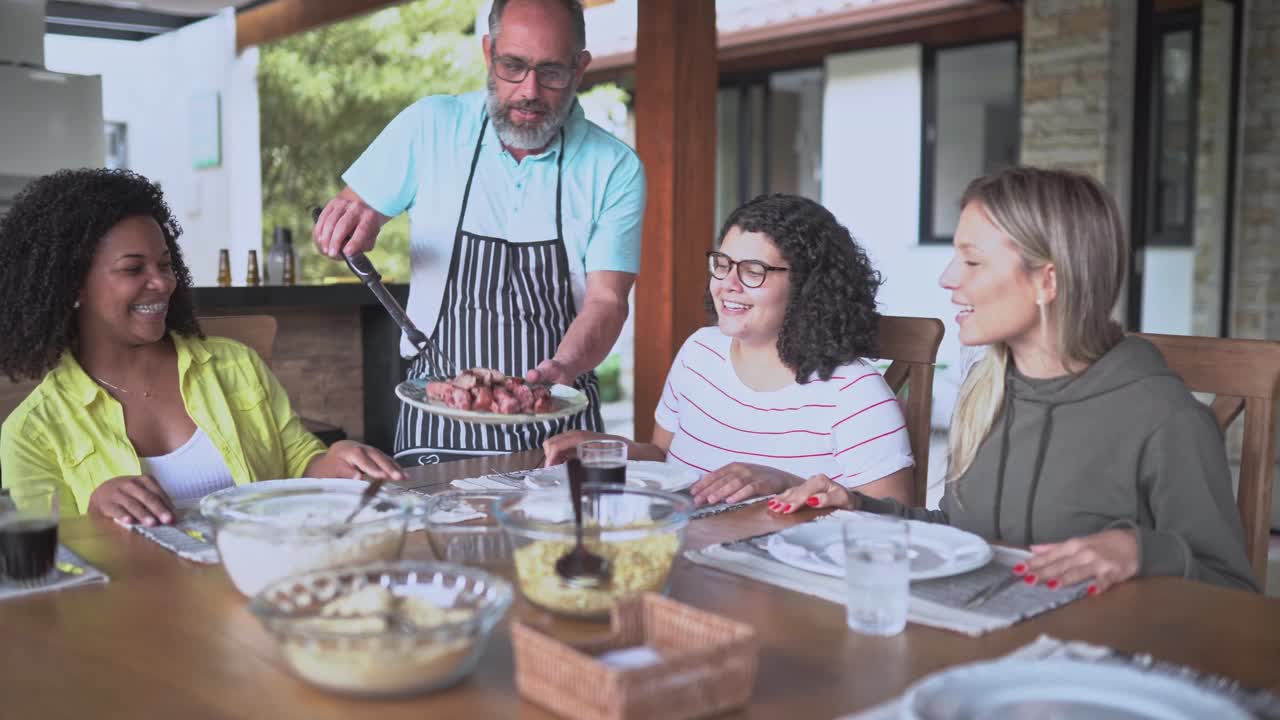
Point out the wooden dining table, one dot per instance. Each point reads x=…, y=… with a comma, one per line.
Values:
x=168, y=638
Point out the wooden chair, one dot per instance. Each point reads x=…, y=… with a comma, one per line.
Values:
x=256, y=331
x=259, y=333
x=911, y=343
x=1243, y=376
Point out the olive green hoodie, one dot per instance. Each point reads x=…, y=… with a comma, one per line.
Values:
x=1123, y=444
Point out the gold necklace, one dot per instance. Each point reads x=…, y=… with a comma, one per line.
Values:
x=145, y=393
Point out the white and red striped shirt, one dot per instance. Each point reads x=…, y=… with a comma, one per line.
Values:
x=849, y=427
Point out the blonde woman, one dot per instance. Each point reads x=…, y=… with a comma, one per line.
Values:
x=1068, y=437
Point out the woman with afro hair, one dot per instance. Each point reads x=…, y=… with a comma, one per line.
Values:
x=778, y=390
x=136, y=409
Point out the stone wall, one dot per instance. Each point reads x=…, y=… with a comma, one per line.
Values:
x=1213, y=134
x=1256, y=260
x=318, y=360
x=1077, y=75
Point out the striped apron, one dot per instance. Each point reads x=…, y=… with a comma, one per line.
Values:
x=507, y=306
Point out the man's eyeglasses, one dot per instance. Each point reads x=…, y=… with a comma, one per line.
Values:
x=552, y=76
x=751, y=273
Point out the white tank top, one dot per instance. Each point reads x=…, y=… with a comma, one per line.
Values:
x=190, y=472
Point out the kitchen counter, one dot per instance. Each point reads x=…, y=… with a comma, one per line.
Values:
x=340, y=294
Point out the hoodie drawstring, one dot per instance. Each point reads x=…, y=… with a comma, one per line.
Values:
x=1041, y=450
x=1004, y=457
x=1035, y=472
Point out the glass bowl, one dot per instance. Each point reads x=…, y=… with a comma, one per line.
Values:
x=430, y=635
x=462, y=528
x=640, y=532
x=274, y=529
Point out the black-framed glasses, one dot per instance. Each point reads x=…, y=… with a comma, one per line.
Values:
x=751, y=273
x=552, y=76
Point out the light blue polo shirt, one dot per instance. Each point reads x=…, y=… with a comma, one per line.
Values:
x=419, y=164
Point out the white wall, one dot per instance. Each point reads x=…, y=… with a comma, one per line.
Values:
x=150, y=86
x=1167, y=287
x=871, y=181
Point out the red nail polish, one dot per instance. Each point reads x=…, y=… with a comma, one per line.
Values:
x=1020, y=568
x=813, y=502
x=787, y=508
x=1093, y=590
x=1029, y=579
x=1052, y=584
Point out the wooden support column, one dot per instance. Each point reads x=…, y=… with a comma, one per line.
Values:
x=676, y=79
x=282, y=18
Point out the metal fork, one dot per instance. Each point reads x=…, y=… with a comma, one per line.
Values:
x=982, y=596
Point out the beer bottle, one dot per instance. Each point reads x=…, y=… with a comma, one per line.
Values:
x=288, y=275
x=251, y=275
x=224, y=268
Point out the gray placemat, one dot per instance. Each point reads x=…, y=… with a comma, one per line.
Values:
x=1016, y=602
x=937, y=603
x=70, y=570
x=717, y=508
x=189, y=537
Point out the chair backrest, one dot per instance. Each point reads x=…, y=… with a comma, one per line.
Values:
x=256, y=331
x=1243, y=376
x=912, y=344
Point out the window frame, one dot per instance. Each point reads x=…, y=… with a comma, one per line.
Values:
x=1168, y=24
x=744, y=83
x=929, y=121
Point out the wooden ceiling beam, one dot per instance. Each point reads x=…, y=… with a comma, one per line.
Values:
x=282, y=18
x=809, y=40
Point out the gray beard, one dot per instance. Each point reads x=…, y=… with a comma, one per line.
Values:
x=526, y=137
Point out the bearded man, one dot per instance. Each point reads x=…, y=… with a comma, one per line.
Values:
x=524, y=219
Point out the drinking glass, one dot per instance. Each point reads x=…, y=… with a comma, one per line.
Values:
x=605, y=461
x=29, y=532
x=877, y=571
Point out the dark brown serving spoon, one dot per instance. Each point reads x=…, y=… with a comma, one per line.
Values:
x=580, y=567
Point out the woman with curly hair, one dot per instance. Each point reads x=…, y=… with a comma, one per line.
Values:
x=136, y=408
x=778, y=391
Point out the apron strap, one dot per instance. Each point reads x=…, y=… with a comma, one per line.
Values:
x=471, y=175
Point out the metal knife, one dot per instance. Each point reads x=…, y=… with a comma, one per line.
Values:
x=363, y=268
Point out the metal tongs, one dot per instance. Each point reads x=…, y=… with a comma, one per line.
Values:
x=441, y=365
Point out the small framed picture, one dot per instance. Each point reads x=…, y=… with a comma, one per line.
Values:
x=206, y=131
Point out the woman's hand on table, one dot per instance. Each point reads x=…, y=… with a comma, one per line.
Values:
x=346, y=458
x=1108, y=557
x=818, y=491
x=736, y=482
x=559, y=448
x=130, y=499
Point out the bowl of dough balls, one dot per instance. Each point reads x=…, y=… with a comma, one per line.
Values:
x=639, y=532
x=384, y=629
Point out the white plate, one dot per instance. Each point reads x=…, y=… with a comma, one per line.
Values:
x=653, y=475
x=566, y=401
x=935, y=550
x=648, y=474
x=1060, y=689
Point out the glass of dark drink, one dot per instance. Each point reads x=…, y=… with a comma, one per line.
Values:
x=29, y=532
x=604, y=461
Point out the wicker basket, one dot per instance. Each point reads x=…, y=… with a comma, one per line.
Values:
x=708, y=665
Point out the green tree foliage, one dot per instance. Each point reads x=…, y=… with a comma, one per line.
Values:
x=324, y=95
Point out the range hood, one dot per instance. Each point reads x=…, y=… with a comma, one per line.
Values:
x=48, y=120
x=22, y=33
